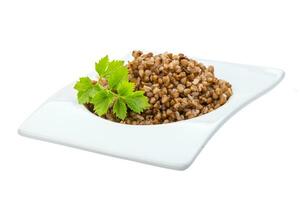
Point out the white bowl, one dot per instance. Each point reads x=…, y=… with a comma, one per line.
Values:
x=175, y=145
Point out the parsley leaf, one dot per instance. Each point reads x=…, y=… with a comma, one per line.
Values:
x=86, y=90
x=113, y=66
x=120, y=109
x=118, y=94
x=120, y=75
x=102, y=101
x=102, y=65
x=137, y=101
x=125, y=88
x=105, y=68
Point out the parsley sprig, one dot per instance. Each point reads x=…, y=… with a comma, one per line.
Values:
x=118, y=93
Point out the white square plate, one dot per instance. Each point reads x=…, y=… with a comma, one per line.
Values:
x=175, y=145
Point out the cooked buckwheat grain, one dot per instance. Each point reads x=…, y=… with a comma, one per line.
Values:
x=177, y=87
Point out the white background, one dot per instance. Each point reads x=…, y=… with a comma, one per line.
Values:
x=46, y=44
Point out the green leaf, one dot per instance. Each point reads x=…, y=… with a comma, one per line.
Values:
x=112, y=67
x=118, y=76
x=120, y=109
x=102, y=65
x=86, y=90
x=102, y=101
x=83, y=84
x=137, y=101
x=106, y=68
x=125, y=88
x=83, y=97
x=119, y=93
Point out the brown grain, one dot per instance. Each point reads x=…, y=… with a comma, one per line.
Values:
x=177, y=87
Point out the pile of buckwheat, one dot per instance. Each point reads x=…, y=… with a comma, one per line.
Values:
x=177, y=87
